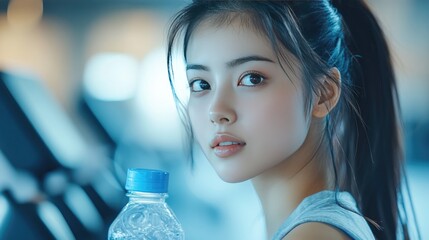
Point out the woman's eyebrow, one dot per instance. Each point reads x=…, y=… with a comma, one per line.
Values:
x=246, y=59
x=230, y=64
x=196, y=67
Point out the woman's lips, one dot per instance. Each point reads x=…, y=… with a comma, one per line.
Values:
x=225, y=145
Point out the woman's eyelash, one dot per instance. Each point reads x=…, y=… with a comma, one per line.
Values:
x=259, y=80
x=199, y=85
x=248, y=79
x=192, y=81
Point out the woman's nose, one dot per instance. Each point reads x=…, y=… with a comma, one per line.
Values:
x=222, y=112
x=221, y=118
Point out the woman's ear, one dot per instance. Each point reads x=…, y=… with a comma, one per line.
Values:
x=328, y=95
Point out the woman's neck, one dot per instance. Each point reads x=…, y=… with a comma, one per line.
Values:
x=282, y=188
x=279, y=197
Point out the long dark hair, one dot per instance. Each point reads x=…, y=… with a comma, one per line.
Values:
x=363, y=131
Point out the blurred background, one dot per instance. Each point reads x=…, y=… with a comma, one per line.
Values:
x=84, y=95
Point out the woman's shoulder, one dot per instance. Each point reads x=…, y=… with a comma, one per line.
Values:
x=326, y=215
x=316, y=230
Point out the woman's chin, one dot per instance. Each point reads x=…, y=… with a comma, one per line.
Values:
x=232, y=177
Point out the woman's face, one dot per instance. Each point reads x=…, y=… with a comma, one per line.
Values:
x=247, y=114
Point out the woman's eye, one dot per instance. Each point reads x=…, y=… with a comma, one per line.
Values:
x=251, y=80
x=199, y=85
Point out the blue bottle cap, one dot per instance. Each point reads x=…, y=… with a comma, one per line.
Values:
x=147, y=180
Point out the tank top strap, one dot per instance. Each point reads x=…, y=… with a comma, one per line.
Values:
x=337, y=209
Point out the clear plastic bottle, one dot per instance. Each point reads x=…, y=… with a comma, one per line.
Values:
x=146, y=216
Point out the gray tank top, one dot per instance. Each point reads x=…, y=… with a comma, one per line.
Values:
x=322, y=207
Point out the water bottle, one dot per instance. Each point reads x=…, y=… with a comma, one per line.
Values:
x=146, y=216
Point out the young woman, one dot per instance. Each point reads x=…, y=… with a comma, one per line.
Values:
x=299, y=97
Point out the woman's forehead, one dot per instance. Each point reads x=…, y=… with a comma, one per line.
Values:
x=227, y=38
x=240, y=21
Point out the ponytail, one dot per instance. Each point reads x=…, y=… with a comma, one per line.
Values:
x=378, y=152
